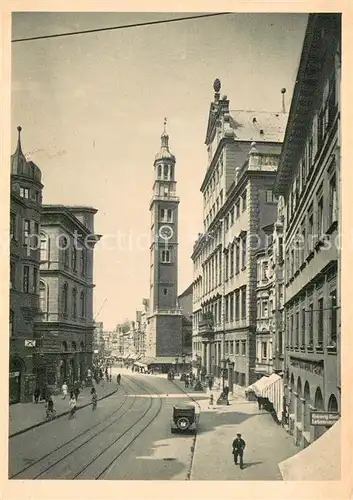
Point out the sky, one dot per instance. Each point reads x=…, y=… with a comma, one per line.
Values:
x=92, y=106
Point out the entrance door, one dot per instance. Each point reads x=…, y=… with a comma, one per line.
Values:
x=14, y=387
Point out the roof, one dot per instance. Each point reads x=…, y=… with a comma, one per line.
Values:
x=188, y=291
x=248, y=124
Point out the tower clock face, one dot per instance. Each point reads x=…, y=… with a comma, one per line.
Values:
x=165, y=232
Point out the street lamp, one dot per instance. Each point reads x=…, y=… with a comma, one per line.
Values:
x=183, y=360
x=176, y=363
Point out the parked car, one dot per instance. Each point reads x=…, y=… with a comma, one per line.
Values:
x=184, y=418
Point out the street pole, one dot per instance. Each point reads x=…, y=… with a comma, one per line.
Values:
x=223, y=301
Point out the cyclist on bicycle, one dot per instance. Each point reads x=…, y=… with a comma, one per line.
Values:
x=50, y=407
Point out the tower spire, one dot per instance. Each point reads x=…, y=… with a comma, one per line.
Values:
x=164, y=152
x=19, y=148
x=165, y=125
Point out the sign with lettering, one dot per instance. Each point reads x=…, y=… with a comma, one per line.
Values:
x=30, y=343
x=315, y=367
x=326, y=418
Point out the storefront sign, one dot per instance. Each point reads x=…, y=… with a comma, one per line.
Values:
x=310, y=366
x=30, y=343
x=326, y=418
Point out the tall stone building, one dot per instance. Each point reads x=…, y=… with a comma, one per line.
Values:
x=243, y=153
x=65, y=335
x=165, y=318
x=25, y=213
x=309, y=180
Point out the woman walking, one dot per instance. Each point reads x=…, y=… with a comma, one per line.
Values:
x=72, y=404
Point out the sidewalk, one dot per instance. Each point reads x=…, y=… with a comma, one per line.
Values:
x=267, y=444
x=23, y=416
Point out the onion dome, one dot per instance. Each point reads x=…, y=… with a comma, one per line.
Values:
x=20, y=165
x=164, y=153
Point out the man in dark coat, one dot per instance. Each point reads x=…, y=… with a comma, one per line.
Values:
x=238, y=450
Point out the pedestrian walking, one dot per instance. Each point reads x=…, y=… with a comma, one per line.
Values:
x=259, y=402
x=238, y=447
x=64, y=389
x=36, y=394
x=76, y=390
x=72, y=405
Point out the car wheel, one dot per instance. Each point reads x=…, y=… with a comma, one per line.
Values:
x=183, y=423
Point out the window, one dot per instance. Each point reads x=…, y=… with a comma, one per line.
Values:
x=243, y=302
x=64, y=245
x=82, y=261
x=159, y=171
x=237, y=209
x=237, y=311
x=165, y=172
x=231, y=347
x=280, y=249
x=26, y=231
x=74, y=258
x=166, y=256
x=237, y=347
x=333, y=317
x=35, y=280
x=243, y=347
x=11, y=321
x=25, y=284
x=243, y=253
x=270, y=197
x=303, y=173
x=303, y=328
x=232, y=216
x=74, y=303
x=311, y=324
x=291, y=330
x=24, y=193
x=264, y=350
x=64, y=298
x=232, y=260
x=231, y=307
x=42, y=297
x=320, y=216
x=226, y=307
x=12, y=275
x=310, y=228
x=13, y=232
x=264, y=271
x=264, y=312
x=243, y=197
x=226, y=256
x=333, y=208
x=43, y=247
x=297, y=328
x=237, y=257
x=320, y=322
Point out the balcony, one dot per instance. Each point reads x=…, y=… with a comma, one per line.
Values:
x=206, y=326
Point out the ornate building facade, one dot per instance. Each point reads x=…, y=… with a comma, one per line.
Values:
x=64, y=336
x=165, y=317
x=309, y=180
x=25, y=214
x=243, y=149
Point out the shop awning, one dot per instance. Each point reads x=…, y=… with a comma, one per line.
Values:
x=272, y=379
x=321, y=461
x=159, y=360
x=258, y=386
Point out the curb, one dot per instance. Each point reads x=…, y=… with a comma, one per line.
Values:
x=42, y=422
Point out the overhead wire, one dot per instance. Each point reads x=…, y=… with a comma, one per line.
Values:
x=124, y=26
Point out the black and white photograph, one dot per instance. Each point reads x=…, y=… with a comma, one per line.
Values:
x=174, y=246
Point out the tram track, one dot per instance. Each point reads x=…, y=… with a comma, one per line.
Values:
x=83, y=433
x=106, y=456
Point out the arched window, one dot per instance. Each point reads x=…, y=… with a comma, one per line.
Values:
x=159, y=171
x=43, y=297
x=64, y=246
x=74, y=258
x=64, y=346
x=74, y=302
x=82, y=346
x=64, y=298
x=319, y=400
x=74, y=346
x=44, y=247
x=82, y=261
x=82, y=304
x=332, y=403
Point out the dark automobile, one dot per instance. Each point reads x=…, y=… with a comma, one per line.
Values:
x=184, y=418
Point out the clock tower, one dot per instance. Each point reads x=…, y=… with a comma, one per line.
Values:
x=165, y=318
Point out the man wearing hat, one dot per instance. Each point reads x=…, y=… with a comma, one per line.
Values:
x=238, y=449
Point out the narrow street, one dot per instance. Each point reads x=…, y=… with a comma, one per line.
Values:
x=128, y=438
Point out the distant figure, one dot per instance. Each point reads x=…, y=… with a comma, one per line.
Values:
x=76, y=390
x=72, y=405
x=36, y=394
x=118, y=378
x=238, y=450
x=65, y=389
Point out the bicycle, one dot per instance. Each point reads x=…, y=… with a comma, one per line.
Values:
x=50, y=414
